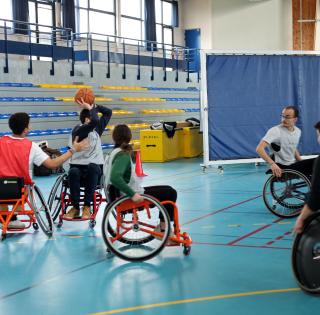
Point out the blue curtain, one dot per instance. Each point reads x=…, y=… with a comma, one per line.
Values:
x=150, y=24
x=68, y=15
x=246, y=95
x=309, y=78
x=20, y=12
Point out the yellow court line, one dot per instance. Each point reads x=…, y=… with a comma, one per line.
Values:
x=206, y=298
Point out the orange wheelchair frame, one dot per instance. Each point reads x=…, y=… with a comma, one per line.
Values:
x=60, y=199
x=124, y=219
x=25, y=196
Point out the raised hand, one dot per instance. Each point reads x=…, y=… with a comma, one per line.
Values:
x=84, y=105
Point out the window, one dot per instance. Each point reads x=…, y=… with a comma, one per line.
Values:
x=132, y=21
x=104, y=5
x=102, y=24
x=164, y=23
x=6, y=12
x=167, y=37
x=42, y=13
x=167, y=13
x=131, y=8
x=95, y=16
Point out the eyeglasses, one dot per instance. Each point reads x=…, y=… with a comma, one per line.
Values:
x=286, y=117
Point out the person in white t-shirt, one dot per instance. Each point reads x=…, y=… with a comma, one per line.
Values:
x=18, y=154
x=282, y=140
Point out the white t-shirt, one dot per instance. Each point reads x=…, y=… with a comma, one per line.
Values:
x=36, y=156
x=287, y=140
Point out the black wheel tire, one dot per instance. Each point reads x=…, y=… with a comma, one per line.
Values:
x=120, y=254
x=186, y=250
x=53, y=198
x=92, y=224
x=35, y=226
x=43, y=214
x=305, y=255
x=273, y=209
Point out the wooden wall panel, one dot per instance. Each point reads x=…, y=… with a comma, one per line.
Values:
x=304, y=35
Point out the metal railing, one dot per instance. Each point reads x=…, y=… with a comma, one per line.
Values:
x=58, y=43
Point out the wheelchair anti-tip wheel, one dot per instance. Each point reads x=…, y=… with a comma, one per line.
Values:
x=131, y=231
x=285, y=196
x=54, y=200
x=41, y=210
x=306, y=255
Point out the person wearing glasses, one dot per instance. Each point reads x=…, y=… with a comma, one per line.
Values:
x=282, y=141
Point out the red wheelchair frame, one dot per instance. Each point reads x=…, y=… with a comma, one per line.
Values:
x=60, y=199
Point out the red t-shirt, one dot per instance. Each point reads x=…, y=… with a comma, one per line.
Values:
x=14, y=158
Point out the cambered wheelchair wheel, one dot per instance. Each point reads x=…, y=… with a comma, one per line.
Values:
x=127, y=228
x=54, y=200
x=285, y=196
x=306, y=255
x=41, y=211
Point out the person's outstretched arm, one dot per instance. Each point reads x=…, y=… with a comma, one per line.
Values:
x=58, y=161
x=82, y=131
x=104, y=119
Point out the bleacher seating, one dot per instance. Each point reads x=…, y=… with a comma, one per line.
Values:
x=54, y=113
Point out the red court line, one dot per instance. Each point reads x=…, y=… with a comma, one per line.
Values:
x=238, y=245
x=279, y=238
x=254, y=232
x=222, y=209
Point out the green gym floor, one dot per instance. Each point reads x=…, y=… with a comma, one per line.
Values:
x=240, y=261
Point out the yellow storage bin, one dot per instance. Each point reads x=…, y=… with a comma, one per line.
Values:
x=155, y=146
x=191, y=139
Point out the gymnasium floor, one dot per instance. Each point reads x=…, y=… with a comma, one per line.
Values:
x=240, y=262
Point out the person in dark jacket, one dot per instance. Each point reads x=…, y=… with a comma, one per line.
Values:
x=87, y=165
x=313, y=202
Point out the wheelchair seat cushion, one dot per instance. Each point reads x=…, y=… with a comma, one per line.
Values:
x=11, y=187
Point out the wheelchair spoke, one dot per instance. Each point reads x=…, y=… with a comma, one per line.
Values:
x=285, y=196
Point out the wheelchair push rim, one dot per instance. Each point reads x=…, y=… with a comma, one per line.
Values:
x=132, y=234
x=41, y=211
x=305, y=256
x=285, y=196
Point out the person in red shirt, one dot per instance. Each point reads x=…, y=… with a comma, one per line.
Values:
x=18, y=154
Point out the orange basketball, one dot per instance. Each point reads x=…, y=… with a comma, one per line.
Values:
x=86, y=94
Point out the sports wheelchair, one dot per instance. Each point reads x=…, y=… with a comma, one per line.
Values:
x=26, y=201
x=59, y=200
x=285, y=196
x=131, y=230
x=305, y=256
